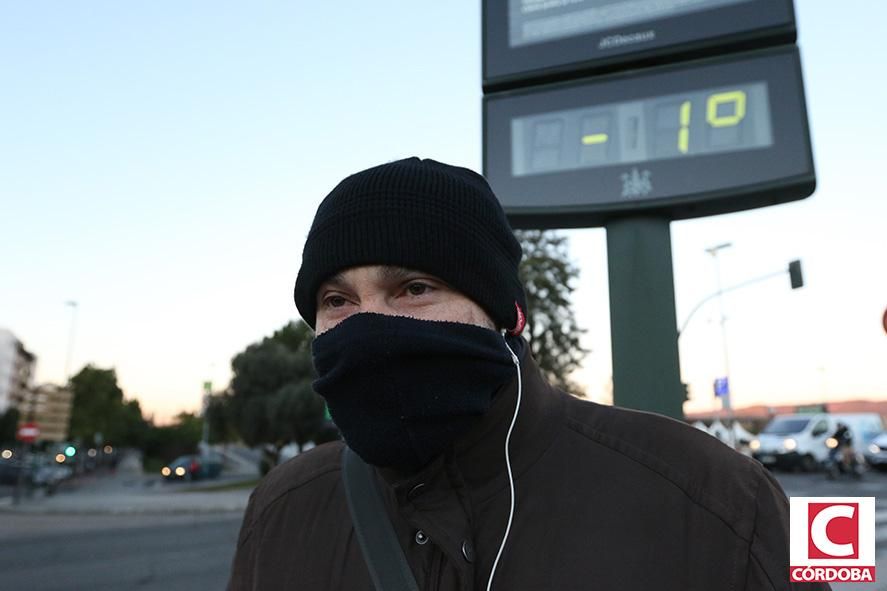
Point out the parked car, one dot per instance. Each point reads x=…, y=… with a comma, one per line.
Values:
x=49, y=473
x=193, y=467
x=39, y=470
x=876, y=452
x=9, y=470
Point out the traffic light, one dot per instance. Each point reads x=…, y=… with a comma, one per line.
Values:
x=795, y=274
x=70, y=451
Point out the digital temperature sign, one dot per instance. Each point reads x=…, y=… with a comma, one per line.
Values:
x=708, y=121
x=712, y=136
x=527, y=41
x=537, y=21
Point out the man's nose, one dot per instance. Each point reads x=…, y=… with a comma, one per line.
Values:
x=377, y=304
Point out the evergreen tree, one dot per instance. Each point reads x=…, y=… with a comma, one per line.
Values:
x=547, y=273
x=99, y=408
x=271, y=399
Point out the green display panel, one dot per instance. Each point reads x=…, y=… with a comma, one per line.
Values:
x=709, y=121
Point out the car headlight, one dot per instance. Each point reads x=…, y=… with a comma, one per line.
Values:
x=790, y=444
x=755, y=445
x=831, y=443
x=165, y=471
x=874, y=448
x=180, y=471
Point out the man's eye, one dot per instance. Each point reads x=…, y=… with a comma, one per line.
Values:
x=334, y=302
x=417, y=289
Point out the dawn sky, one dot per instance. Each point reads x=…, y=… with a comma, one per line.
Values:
x=160, y=164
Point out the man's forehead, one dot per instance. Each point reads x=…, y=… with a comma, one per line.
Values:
x=377, y=272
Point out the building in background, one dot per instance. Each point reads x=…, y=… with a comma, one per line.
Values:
x=16, y=371
x=49, y=406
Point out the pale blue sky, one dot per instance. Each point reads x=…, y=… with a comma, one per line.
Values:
x=160, y=164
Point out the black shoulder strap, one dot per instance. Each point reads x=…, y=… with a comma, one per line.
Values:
x=381, y=550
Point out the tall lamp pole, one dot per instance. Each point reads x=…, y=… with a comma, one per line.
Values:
x=725, y=397
x=797, y=281
x=73, y=305
x=204, y=439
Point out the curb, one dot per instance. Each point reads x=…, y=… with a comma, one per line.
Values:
x=28, y=509
x=166, y=504
x=24, y=510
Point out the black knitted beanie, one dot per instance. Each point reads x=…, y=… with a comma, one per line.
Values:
x=421, y=215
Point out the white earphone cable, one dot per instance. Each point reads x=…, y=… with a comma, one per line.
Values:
x=508, y=467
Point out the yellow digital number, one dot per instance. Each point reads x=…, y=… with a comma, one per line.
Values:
x=684, y=133
x=594, y=138
x=737, y=97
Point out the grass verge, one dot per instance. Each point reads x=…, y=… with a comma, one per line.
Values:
x=243, y=484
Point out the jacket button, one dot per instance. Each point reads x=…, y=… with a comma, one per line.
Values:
x=468, y=551
x=421, y=538
x=416, y=491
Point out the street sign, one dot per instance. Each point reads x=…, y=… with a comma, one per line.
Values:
x=811, y=409
x=693, y=139
x=795, y=274
x=28, y=432
x=722, y=387
x=527, y=41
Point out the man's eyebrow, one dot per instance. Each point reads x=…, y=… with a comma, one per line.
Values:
x=396, y=273
x=336, y=280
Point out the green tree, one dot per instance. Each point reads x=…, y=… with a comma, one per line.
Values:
x=271, y=397
x=96, y=400
x=547, y=274
x=297, y=337
x=221, y=422
x=259, y=372
x=295, y=413
x=8, y=425
x=168, y=442
x=129, y=427
x=99, y=407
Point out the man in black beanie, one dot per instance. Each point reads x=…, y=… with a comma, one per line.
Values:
x=487, y=476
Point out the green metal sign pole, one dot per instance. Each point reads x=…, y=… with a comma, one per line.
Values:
x=646, y=370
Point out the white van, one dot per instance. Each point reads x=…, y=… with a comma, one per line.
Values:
x=790, y=441
x=799, y=440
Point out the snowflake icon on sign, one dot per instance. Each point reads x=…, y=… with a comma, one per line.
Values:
x=636, y=183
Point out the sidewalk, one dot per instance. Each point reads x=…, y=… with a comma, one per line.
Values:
x=129, y=491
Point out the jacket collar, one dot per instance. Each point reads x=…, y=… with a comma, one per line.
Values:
x=477, y=459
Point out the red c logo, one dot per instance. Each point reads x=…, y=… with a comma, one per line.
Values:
x=833, y=530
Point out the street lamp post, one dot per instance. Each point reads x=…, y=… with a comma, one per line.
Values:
x=797, y=281
x=725, y=397
x=204, y=439
x=73, y=305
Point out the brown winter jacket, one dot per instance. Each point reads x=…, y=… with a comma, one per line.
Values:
x=607, y=499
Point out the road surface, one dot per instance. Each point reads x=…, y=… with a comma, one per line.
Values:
x=117, y=552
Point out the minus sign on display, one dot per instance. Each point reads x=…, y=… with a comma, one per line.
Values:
x=596, y=138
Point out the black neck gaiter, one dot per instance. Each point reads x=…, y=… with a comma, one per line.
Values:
x=401, y=390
